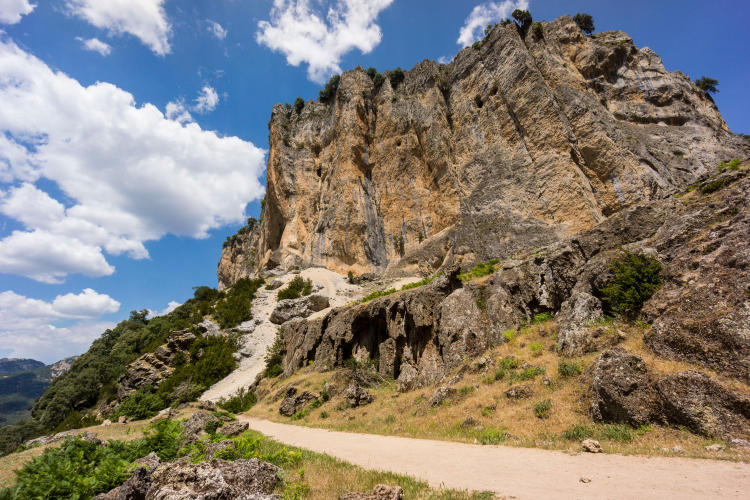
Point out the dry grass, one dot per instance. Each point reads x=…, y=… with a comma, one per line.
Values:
x=499, y=418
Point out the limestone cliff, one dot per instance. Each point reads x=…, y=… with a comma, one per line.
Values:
x=517, y=143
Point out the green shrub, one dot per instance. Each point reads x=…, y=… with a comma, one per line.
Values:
x=481, y=269
x=617, y=432
x=542, y=408
x=523, y=19
x=275, y=357
x=377, y=294
x=493, y=435
x=509, y=363
x=509, y=335
x=77, y=420
x=299, y=105
x=143, y=403
x=376, y=77
x=499, y=374
x=578, y=432
x=466, y=390
x=635, y=279
x=528, y=373
x=541, y=317
x=396, y=76
x=538, y=31
x=399, y=243
x=350, y=277
x=423, y=282
x=236, y=306
x=729, y=165
x=568, y=368
x=536, y=348
x=323, y=414
x=715, y=185
x=301, y=414
x=329, y=91
x=585, y=22
x=242, y=400
x=296, y=288
x=707, y=84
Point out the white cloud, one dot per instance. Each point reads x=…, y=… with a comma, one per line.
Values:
x=95, y=45
x=206, y=100
x=144, y=19
x=300, y=33
x=129, y=174
x=216, y=30
x=11, y=11
x=177, y=111
x=27, y=326
x=170, y=307
x=484, y=14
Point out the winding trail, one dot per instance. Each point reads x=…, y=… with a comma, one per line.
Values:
x=524, y=473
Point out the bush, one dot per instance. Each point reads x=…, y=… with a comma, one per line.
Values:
x=479, y=270
x=509, y=363
x=296, y=288
x=380, y=293
x=577, y=432
x=526, y=374
x=329, y=91
x=242, y=400
x=636, y=278
x=538, y=31
x=143, y=403
x=568, y=368
x=509, y=335
x=729, y=165
x=299, y=105
x=536, y=348
x=585, y=22
x=377, y=78
x=350, y=277
x=542, y=408
x=715, y=185
x=423, y=282
x=541, y=317
x=275, y=357
x=236, y=307
x=396, y=76
x=493, y=435
x=707, y=84
x=523, y=19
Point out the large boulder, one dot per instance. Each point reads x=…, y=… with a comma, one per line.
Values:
x=703, y=405
x=298, y=308
x=622, y=389
x=356, y=396
x=196, y=425
x=574, y=323
x=294, y=402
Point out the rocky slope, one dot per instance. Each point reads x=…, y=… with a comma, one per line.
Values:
x=517, y=143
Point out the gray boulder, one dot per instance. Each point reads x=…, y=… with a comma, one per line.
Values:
x=298, y=308
x=293, y=402
x=442, y=394
x=356, y=396
x=573, y=323
x=196, y=425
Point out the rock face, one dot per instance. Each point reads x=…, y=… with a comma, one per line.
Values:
x=298, y=308
x=239, y=255
x=61, y=367
x=515, y=144
x=153, y=367
x=417, y=336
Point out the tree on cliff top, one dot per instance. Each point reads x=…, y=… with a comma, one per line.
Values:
x=523, y=19
x=585, y=22
x=707, y=84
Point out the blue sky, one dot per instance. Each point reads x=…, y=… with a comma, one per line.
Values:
x=134, y=142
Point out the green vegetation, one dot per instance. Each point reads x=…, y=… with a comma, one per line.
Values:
x=296, y=288
x=568, y=368
x=275, y=357
x=585, y=22
x=535, y=348
x=329, y=91
x=379, y=293
x=423, y=282
x=528, y=373
x=396, y=76
x=376, y=77
x=299, y=105
x=729, y=165
x=542, y=408
x=493, y=435
x=399, y=243
x=509, y=363
x=235, y=307
x=143, y=403
x=509, y=335
x=715, y=185
x=523, y=19
x=707, y=84
x=350, y=277
x=538, y=31
x=541, y=317
x=481, y=269
x=635, y=279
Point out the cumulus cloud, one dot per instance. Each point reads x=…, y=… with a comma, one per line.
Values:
x=31, y=328
x=129, y=174
x=11, y=11
x=216, y=30
x=170, y=307
x=176, y=110
x=302, y=34
x=144, y=19
x=95, y=45
x=206, y=100
x=484, y=14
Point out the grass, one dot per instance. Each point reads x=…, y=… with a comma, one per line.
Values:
x=481, y=269
x=411, y=414
x=377, y=294
x=417, y=284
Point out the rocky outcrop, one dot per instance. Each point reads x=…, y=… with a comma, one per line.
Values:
x=356, y=395
x=213, y=480
x=61, y=367
x=153, y=367
x=196, y=425
x=239, y=255
x=303, y=307
x=624, y=391
x=294, y=402
x=380, y=492
x=517, y=143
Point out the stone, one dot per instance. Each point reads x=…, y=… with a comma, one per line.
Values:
x=150, y=461
x=196, y=425
x=293, y=403
x=303, y=307
x=107, y=422
x=233, y=428
x=212, y=448
x=591, y=446
x=357, y=396
x=209, y=328
x=585, y=480
x=524, y=391
x=573, y=323
x=442, y=394
x=122, y=419
x=622, y=389
x=274, y=284
x=678, y=449
x=739, y=443
x=715, y=448
x=207, y=405
x=380, y=492
x=469, y=422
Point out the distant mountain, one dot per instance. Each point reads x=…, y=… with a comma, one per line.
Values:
x=22, y=381
x=11, y=365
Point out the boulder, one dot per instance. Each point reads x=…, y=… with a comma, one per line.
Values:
x=293, y=402
x=380, y=492
x=196, y=425
x=356, y=396
x=150, y=461
x=207, y=405
x=213, y=448
x=233, y=428
x=274, y=284
x=442, y=394
x=298, y=308
x=574, y=323
x=622, y=389
x=520, y=392
x=703, y=405
x=591, y=445
x=209, y=328
x=407, y=378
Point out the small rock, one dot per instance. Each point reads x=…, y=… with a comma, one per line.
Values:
x=356, y=396
x=380, y=492
x=740, y=443
x=585, y=480
x=441, y=394
x=107, y=423
x=150, y=461
x=274, y=284
x=233, y=428
x=520, y=392
x=677, y=449
x=591, y=445
x=207, y=405
x=122, y=419
x=195, y=426
x=715, y=448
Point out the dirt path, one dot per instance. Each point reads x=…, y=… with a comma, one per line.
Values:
x=523, y=472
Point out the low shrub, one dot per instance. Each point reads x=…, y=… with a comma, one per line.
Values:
x=299, y=105
x=528, y=373
x=635, y=279
x=493, y=435
x=541, y=317
x=578, y=432
x=479, y=270
x=542, y=408
x=510, y=362
x=568, y=368
x=715, y=185
x=296, y=288
x=729, y=165
x=538, y=31
x=375, y=295
x=396, y=76
x=536, y=348
x=236, y=306
x=423, y=282
x=275, y=357
x=242, y=400
x=143, y=403
x=585, y=22
x=329, y=91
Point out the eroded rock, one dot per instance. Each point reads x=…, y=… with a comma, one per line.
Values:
x=303, y=307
